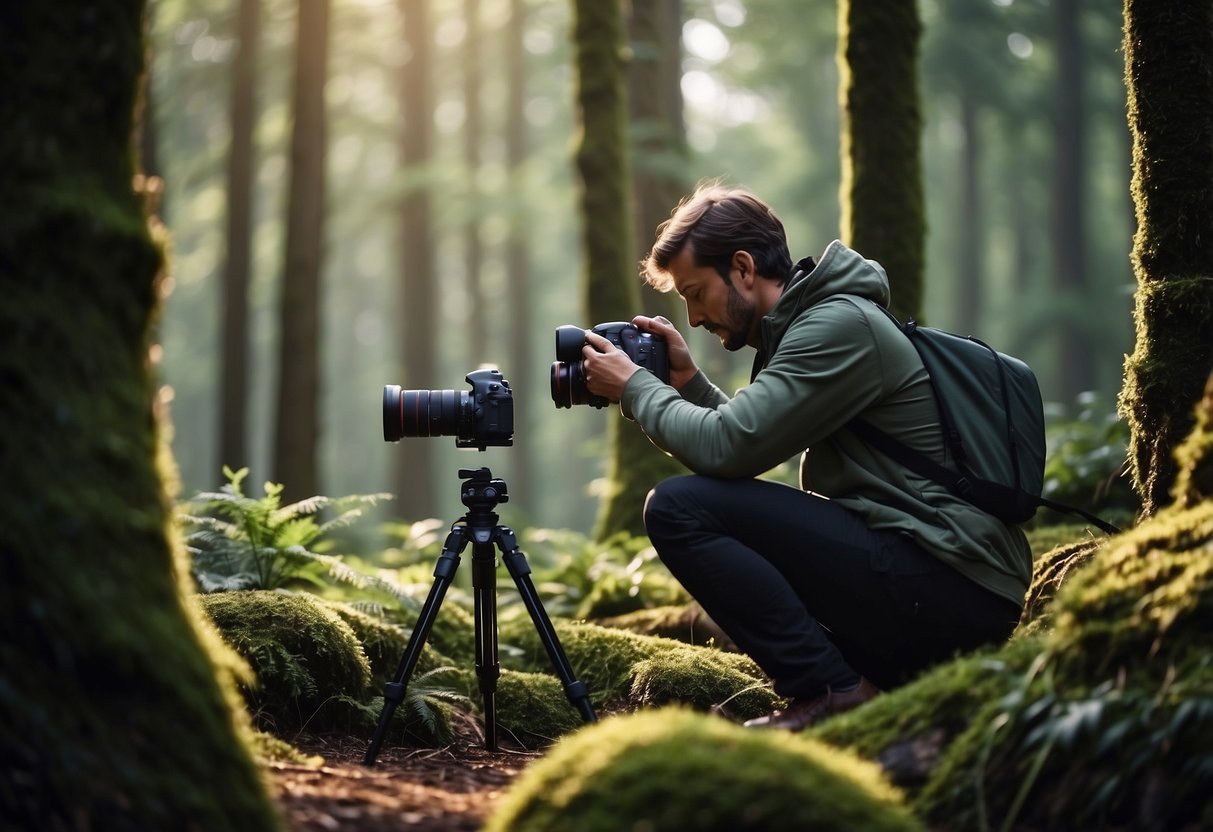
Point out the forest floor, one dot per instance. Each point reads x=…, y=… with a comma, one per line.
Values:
x=441, y=789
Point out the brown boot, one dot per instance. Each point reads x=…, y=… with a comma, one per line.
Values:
x=802, y=713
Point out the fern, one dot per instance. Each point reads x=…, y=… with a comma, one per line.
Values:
x=241, y=542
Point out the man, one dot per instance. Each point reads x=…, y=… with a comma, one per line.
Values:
x=870, y=573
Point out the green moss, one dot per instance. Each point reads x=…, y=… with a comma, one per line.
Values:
x=687, y=623
x=1048, y=573
x=606, y=660
x=704, y=679
x=308, y=662
x=115, y=716
x=1194, y=456
x=532, y=708
x=1044, y=539
x=672, y=769
x=1112, y=721
x=945, y=699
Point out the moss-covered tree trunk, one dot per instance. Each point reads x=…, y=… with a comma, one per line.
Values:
x=1168, y=49
x=883, y=215
x=611, y=282
x=657, y=135
x=113, y=715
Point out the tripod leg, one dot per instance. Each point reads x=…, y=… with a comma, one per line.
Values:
x=520, y=571
x=488, y=669
x=393, y=691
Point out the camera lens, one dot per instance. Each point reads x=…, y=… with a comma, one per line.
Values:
x=564, y=380
x=421, y=412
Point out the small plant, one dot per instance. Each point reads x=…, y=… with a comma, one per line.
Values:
x=584, y=579
x=241, y=542
x=1087, y=448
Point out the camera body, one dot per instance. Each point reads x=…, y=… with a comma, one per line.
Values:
x=477, y=419
x=568, y=372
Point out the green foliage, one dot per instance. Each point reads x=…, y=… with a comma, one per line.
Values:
x=1086, y=453
x=581, y=578
x=618, y=775
x=258, y=543
x=1109, y=721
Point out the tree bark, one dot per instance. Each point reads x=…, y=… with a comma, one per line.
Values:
x=1168, y=50
x=297, y=423
x=883, y=215
x=416, y=467
x=114, y=715
x=611, y=284
x=518, y=265
x=233, y=407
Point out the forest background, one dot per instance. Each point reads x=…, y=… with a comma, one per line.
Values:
x=1025, y=152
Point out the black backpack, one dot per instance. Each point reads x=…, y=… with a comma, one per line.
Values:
x=999, y=470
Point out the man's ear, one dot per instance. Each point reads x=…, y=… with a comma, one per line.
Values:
x=746, y=269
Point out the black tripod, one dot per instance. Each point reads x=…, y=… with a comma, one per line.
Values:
x=481, y=494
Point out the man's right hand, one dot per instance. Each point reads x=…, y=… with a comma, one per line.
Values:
x=682, y=366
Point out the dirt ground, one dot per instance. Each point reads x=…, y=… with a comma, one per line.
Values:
x=447, y=789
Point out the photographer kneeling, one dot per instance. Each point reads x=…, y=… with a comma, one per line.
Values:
x=870, y=573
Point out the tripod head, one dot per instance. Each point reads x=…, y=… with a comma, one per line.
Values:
x=480, y=490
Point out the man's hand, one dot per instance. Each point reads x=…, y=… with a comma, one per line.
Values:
x=682, y=366
x=606, y=369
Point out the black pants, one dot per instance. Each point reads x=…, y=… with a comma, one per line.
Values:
x=813, y=595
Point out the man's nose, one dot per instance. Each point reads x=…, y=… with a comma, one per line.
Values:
x=693, y=317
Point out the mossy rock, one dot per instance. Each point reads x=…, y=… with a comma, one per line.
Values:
x=704, y=679
x=909, y=729
x=453, y=634
x=309, y=665
x=384, y=644
x=532, y=708
x=605, y=658
x=676, y=770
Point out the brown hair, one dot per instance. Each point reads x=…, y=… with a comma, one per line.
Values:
x=718, y=221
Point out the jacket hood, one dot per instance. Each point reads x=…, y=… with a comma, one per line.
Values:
x=840, y=271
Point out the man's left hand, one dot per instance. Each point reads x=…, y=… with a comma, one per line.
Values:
x=605, y=368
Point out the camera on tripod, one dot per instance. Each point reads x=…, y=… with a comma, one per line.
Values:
x=483, y=417
x=568, y=372
x=477, y=419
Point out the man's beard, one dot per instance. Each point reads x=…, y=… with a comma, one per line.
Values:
x=739, y=315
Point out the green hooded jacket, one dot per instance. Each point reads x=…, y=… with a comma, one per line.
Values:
x=829, y=355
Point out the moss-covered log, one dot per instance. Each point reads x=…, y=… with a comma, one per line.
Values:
x=114, y=715
x=1168, y=50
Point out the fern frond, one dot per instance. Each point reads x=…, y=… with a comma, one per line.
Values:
x=302, y=508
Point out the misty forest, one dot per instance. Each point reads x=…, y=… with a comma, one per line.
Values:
x=238, y=235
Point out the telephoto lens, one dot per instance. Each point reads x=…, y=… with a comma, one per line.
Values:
x=421, y=412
